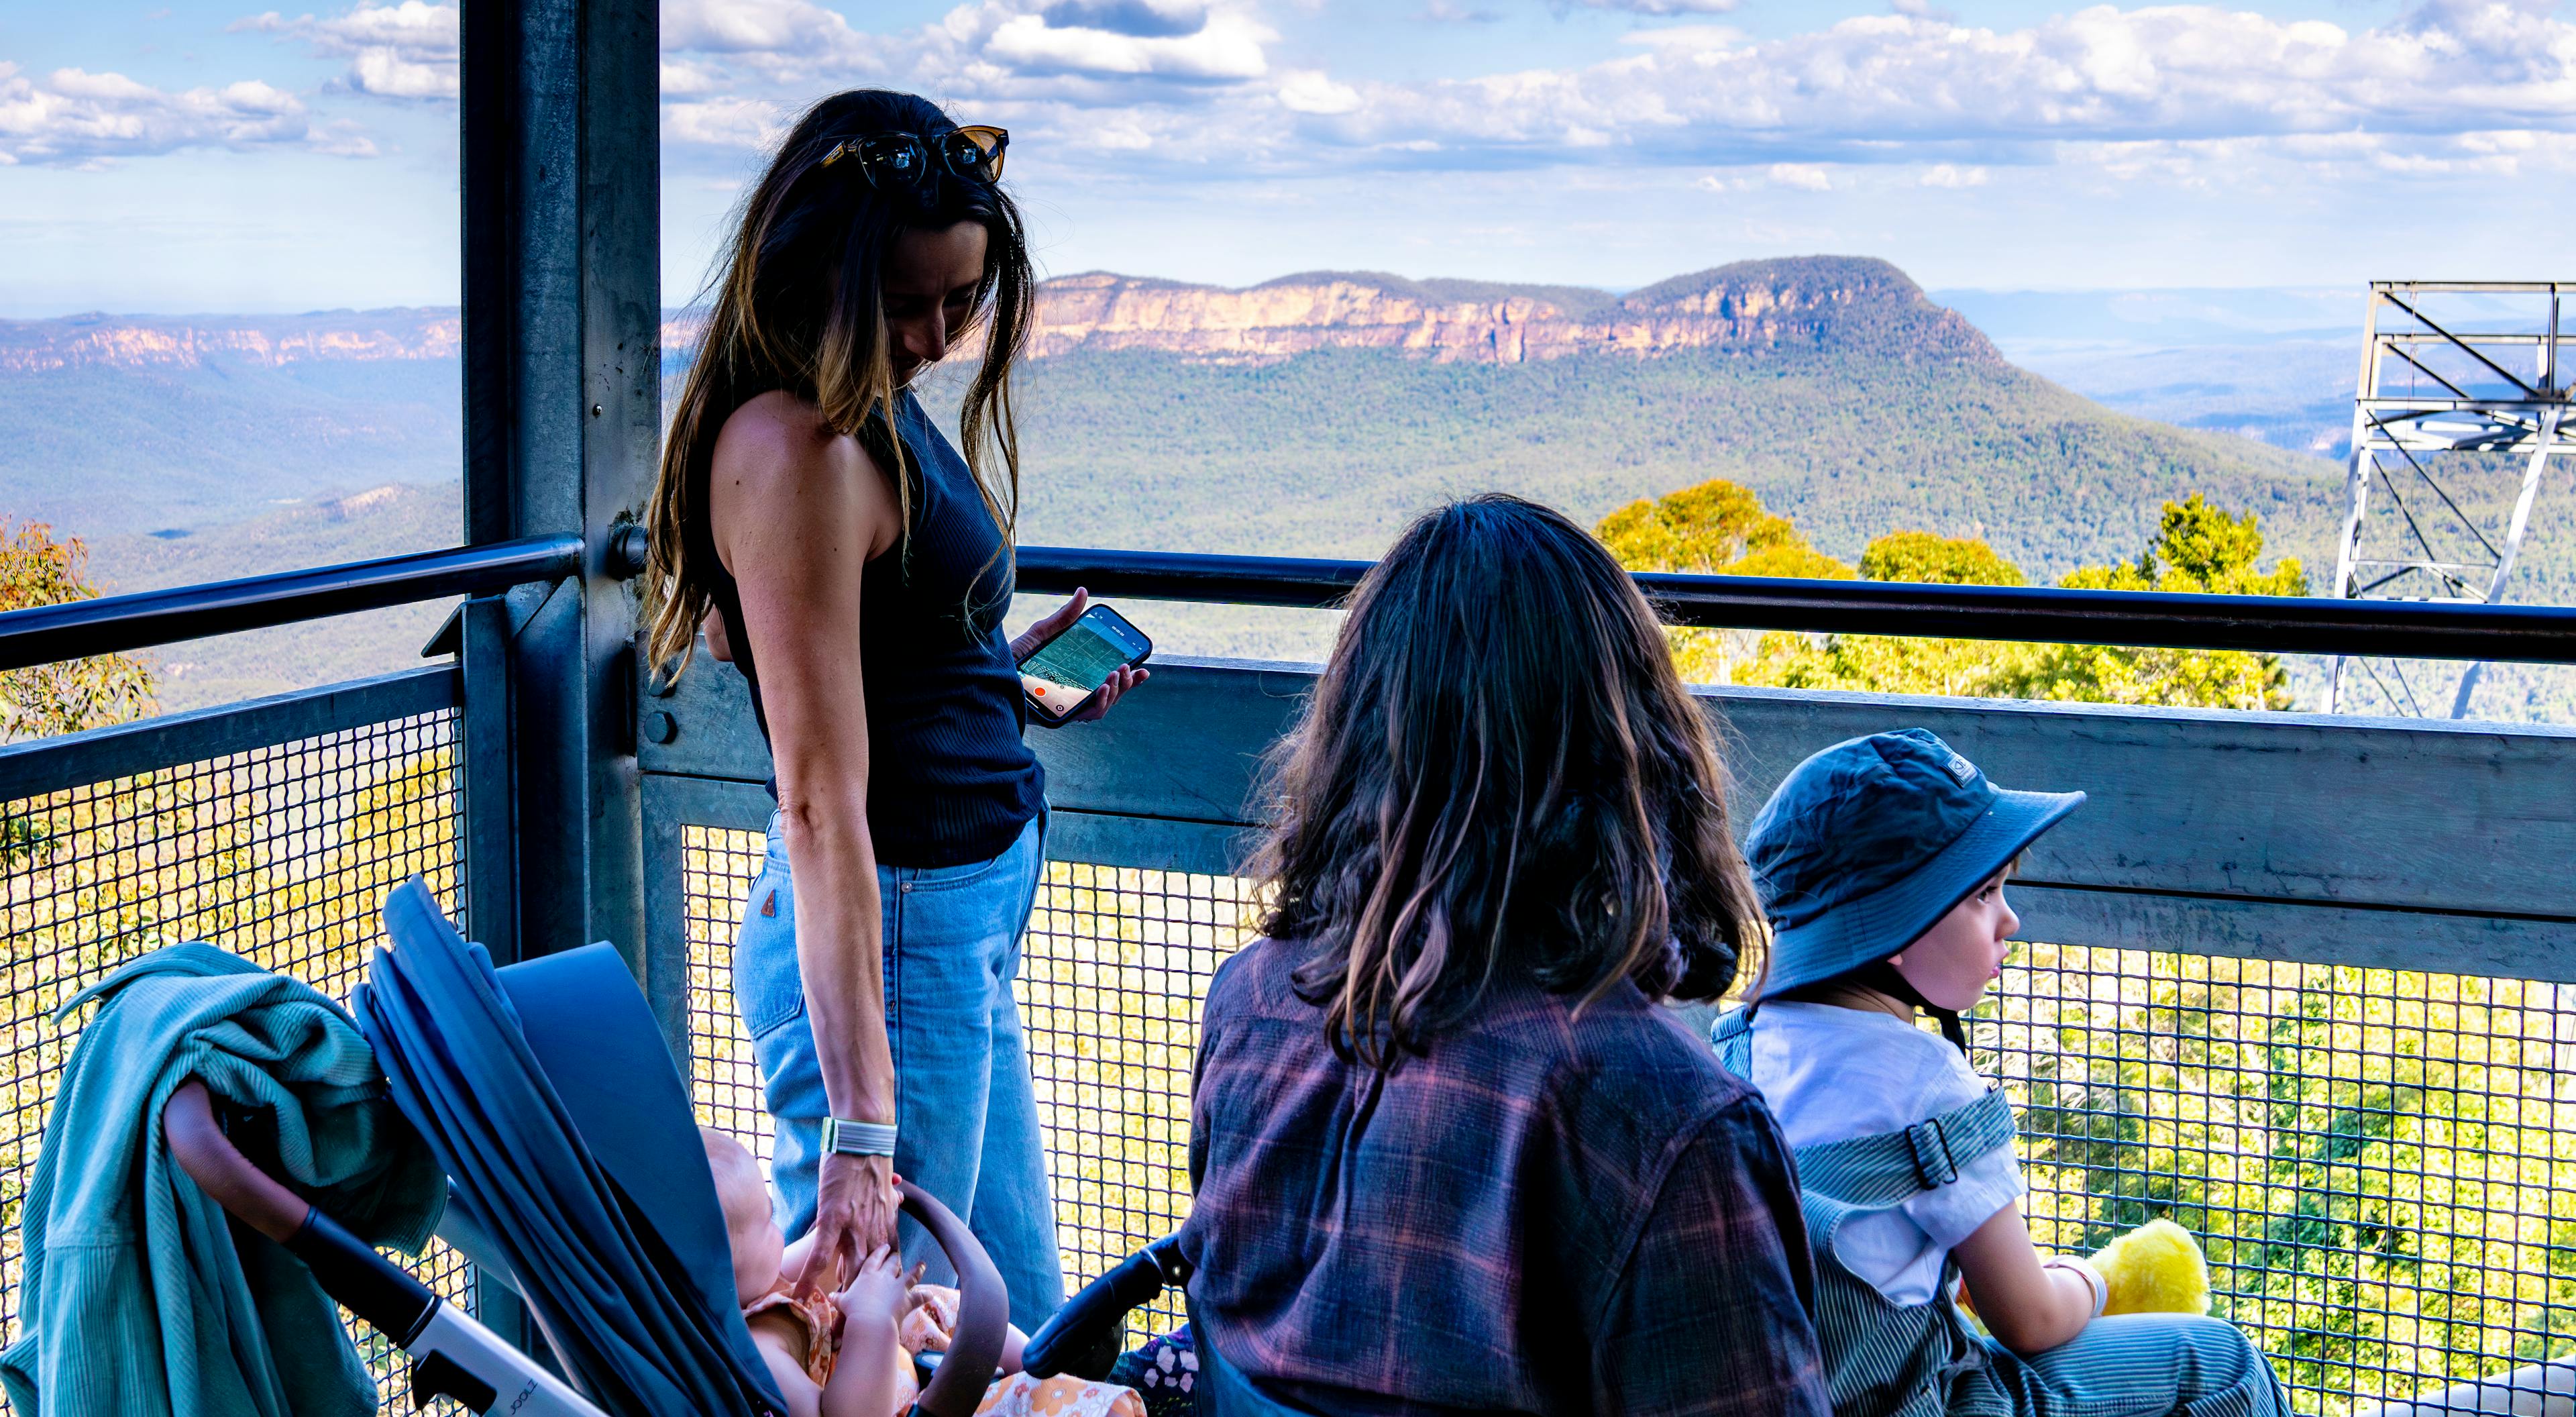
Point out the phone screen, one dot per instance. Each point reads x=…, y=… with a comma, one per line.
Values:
x=1071, y=667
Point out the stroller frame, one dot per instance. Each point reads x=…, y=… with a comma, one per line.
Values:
x=455, y=1356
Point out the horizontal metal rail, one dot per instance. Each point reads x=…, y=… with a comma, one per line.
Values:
x=39, y=766
x=110, y=624
x=2540, y=634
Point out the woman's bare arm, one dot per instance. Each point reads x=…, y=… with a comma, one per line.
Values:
x=798, y=513
x=2028, y=1307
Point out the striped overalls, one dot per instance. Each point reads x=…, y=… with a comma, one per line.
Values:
x=1883, y=1359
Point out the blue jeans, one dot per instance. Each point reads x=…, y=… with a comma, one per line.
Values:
x=969, y=1118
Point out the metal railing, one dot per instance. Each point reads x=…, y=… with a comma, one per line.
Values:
x=272, y=828
x=2281, y=1110
x=2276, y=624
x=111, y=624
x=2149, y=619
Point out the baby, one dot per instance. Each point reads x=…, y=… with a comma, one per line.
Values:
x=850, y=1354
x=840, y=1355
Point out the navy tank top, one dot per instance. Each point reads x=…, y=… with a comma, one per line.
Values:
x=950, y=780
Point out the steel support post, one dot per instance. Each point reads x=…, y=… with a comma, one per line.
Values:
x=562, y=298
x=2521, y=522
x=562, y=305
x=2356, y=495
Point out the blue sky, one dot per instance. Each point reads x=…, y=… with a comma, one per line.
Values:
x=206, y=155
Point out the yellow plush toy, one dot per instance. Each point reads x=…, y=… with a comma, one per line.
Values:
x=2155, y=1269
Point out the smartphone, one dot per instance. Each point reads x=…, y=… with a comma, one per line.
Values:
x=1062, y=675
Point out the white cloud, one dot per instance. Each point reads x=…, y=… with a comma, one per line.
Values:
x=1868, y=88
x=1805, y=176
x=1663, y=7
x=1684, y=36
x=74, y=117
x=403, y=50
x=1313, y=91
x=1145, y=19
x=1945, y=174
x=1105, y=77
x=751, y=27
x=682, y=78
x=1226, y=46
x=724, y=122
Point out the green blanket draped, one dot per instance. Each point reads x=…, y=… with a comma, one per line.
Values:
x=139, y=1297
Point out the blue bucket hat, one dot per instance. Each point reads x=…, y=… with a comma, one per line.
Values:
x=1866, y=845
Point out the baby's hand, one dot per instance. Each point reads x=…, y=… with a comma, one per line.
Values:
x=876, y=1293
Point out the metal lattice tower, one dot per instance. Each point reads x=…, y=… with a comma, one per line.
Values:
x=2463, y=384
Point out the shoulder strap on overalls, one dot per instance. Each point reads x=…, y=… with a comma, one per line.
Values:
x=1879, y=1170
x=1881, y=1359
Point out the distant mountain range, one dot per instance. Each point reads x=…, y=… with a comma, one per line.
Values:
x=98, y=341
x=1306, y=415
x=1751, y=306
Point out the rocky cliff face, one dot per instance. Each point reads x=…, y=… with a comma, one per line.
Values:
x=145, y=341
x=1749, y=306
x=1820, y=302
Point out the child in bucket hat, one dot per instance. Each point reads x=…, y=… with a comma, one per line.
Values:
x=1881, y=864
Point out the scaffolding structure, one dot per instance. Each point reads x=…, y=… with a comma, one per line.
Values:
x=2462, y=386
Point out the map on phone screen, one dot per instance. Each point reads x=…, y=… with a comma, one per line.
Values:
x=1069, y=668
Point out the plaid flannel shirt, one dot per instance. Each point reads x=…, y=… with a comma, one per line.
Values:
x=1546, y=1214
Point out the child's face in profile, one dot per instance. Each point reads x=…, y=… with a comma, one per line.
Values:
x=1959, y=956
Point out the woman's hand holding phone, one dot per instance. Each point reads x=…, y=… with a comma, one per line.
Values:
x=1055, y=623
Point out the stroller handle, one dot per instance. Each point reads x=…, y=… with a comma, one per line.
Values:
x=198, y=1144
x=983, y=1311
x=453, y=1356
x=348, y=1269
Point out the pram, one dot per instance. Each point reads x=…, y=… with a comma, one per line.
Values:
x=607, y=1092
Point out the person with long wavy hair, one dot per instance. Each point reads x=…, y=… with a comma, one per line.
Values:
x=1451, y=1153
x=856, y=566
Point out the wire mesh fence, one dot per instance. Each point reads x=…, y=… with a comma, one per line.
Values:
x=1112, y=971
x=2381, y=1165
x=718, y=868
x=282, y=855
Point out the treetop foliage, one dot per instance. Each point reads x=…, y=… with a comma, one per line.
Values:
x=1720, y=528
x=1714, y=529
x=1926, y=559
x=48, y=699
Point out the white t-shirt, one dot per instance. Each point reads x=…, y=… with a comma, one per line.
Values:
x=1831, y=1074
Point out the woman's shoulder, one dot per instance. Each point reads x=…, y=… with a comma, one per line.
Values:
x=1621, y=1053
x=776, y=461
x=778, y=430
x=1257, y=977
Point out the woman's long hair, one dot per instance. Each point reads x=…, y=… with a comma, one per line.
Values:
x=800, y=307
x=1499, y=771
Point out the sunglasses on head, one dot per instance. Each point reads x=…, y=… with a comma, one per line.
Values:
x=905, y=159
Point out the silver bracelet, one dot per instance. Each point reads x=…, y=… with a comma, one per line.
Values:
x=847, y=1138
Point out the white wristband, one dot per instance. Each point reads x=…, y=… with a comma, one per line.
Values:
x=2083, y=1268
x=848, y=1138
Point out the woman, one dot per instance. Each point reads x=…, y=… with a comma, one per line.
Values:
x=856, y=568
x=1450, y=1153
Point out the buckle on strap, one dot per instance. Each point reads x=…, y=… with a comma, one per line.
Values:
x=1932, y=1160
